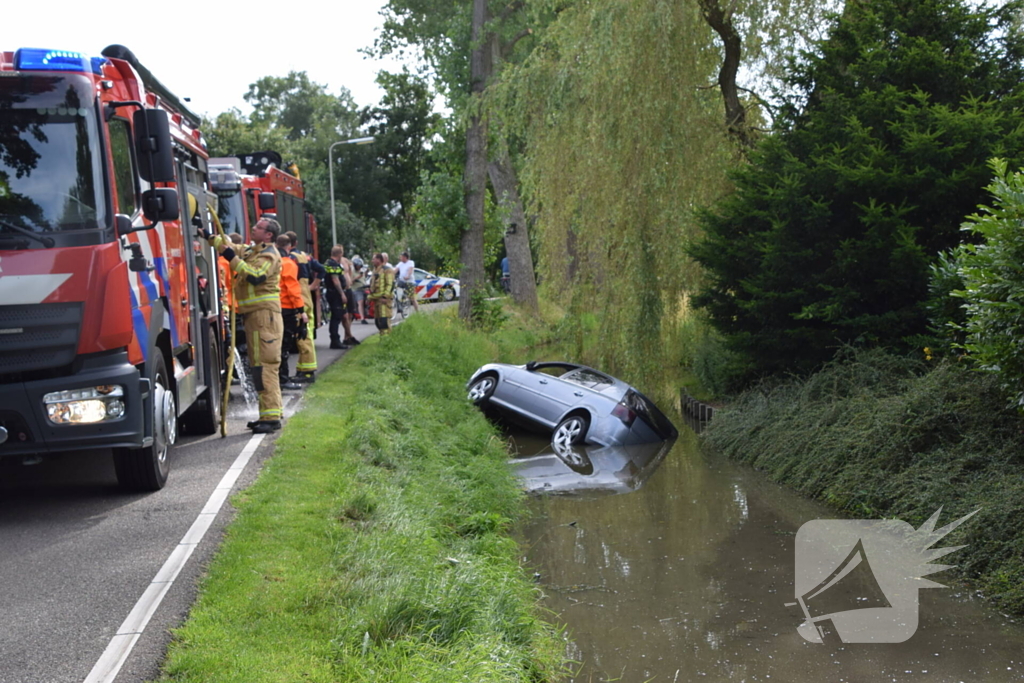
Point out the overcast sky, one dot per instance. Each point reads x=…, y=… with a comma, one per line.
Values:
x=214, y=50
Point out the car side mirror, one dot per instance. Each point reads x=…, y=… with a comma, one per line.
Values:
x=267, y=201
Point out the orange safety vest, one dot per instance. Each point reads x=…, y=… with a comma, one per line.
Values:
x=291, y=293
x=226, y=279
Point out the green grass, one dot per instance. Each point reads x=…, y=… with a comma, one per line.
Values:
x=875, y=435
x=375, y=544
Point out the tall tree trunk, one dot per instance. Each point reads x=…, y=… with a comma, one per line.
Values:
x=720, y=19
x=517, y=236
x=471, y=276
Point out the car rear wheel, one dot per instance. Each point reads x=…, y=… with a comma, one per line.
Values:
x=482, y=390
x=570, y=431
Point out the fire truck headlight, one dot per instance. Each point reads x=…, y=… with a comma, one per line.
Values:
x=85, y=406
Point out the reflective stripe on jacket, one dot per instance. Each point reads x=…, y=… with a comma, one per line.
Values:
x=257, y=286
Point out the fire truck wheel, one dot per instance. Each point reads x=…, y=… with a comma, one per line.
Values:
x=204, y=416
x=145, y=469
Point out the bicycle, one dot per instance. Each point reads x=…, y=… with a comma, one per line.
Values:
x=401, y=302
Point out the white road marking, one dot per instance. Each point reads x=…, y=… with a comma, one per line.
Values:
x=120, y=646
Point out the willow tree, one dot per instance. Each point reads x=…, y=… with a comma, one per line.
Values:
x=622, y=112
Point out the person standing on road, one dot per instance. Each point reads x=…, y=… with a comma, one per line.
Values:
x=306, y=366
x=336, y=298
x=258, y=295
x=292, y=313
x=381, y=292
x=359, y=288
x=406, y=278
x=350, y=307
x=506, y=281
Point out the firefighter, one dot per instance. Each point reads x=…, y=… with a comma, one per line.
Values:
x=382, y=289
x=258, y=296
x=306, y=366
x=292, y=313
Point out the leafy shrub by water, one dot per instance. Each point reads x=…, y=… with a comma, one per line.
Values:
x=876, y=435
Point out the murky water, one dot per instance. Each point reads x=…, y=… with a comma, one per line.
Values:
x=686, y=578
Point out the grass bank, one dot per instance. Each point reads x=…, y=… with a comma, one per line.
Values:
x=878, y=436
x=375, y=544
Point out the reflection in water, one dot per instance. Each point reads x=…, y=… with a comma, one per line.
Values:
x=687, y=578
x=590, y=468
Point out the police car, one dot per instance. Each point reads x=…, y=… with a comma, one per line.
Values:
x=430, y=287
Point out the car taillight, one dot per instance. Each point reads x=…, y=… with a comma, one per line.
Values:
x=624, y=413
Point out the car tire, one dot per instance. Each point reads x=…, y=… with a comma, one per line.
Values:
x=447, y=293
x=570, y=431
x=146, y=469
x=482, y=390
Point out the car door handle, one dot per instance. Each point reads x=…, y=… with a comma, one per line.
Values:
x=577, y=393
x=543, y=381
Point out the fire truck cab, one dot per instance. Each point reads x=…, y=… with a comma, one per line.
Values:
x=251, y=186
x=110, y=326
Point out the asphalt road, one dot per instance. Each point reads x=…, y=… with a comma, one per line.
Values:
x=76, y=554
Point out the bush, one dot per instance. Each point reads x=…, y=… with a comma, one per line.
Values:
x=879, y=435
x=993, y=285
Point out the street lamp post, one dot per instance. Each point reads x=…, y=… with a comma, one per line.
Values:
x=330, y=173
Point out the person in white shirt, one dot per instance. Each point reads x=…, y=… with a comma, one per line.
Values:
x=406, y=270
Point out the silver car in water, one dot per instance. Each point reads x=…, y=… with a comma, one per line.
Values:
x=574, y=403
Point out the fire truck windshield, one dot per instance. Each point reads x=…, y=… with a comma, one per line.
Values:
x=51, y=174
x=230, y=213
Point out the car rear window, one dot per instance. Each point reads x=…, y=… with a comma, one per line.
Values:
x=589, y=379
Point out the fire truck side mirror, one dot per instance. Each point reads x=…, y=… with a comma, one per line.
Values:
x=160, y=204
x=267, y=201
x=153, y=145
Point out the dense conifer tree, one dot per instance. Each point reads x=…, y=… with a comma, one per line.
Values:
x=881, y=153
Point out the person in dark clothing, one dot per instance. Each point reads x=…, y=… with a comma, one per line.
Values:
x=337, y=300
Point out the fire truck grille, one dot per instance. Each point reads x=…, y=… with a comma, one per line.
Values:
x=38, y=336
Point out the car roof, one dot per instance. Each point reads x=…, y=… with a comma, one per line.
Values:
x=576, y=366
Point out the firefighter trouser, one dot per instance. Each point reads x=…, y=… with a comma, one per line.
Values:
x=263, y=332
x=307, y=350
x=290, y=317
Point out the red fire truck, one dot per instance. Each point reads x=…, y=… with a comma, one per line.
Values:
x=110, y=332
x=251, y=186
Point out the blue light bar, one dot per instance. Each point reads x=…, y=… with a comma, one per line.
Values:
x=38, y=59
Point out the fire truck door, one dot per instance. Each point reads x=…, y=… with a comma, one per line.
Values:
x=193, y=224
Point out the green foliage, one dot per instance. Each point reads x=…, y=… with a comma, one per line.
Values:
x=402, y=124
x=993, y=284
x=488, y=312
x=881, y=153
x=375, y=545
x=945, y=311
x=374, y=184
x=231, y=133
x=621, y=141
x=877, y=435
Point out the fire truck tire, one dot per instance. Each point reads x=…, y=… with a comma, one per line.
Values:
x=204, y=416
x=146, y=469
